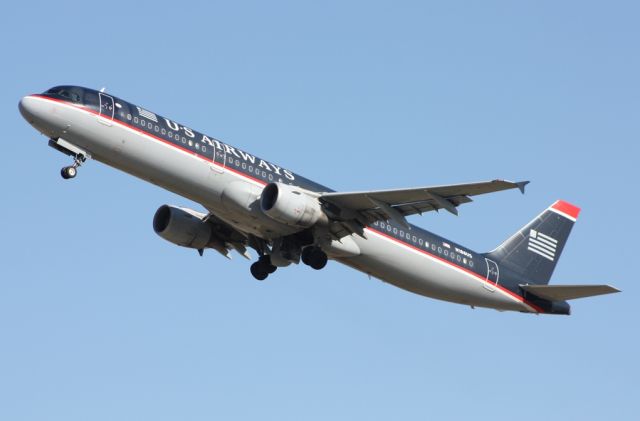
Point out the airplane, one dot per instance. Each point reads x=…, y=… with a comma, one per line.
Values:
x=256, y=204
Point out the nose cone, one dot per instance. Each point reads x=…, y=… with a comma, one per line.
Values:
x=40, y=116
x=27, y=107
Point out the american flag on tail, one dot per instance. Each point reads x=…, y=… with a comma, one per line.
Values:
x=542, y=245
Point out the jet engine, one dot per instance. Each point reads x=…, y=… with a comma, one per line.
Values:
x=291, y=206
x=182, y=226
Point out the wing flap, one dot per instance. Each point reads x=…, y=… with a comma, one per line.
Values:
x=568, y=292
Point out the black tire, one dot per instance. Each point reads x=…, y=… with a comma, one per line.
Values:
x=68, y=172
x=265, y=261
x=318, y=259
x=259, y=272
x=306, y=255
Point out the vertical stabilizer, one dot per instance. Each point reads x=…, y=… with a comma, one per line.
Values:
x=534, y=250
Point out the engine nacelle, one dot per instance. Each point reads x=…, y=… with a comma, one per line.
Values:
x=291, y=206
x=182, y=226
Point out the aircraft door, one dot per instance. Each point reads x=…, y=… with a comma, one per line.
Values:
x=219, y=160
x=493, y=275
x=107, y=109
x=217, y=176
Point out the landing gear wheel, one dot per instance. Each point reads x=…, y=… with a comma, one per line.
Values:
x=259, y=271
x=306, y=255
x=318, y=260
x=72, y=170
x=68, y=172
x=265, y=261
x=314, y=257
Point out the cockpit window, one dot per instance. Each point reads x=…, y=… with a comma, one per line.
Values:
x=70, y=93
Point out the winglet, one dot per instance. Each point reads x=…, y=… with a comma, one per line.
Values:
x=521, y=185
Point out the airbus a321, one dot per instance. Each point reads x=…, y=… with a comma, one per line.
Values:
x=256, y=204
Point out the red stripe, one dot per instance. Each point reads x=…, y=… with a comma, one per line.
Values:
x=509, y=292
x=566, y=208
x=470, y=272
x=122, y=123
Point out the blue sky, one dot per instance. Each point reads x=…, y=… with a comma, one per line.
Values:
x=101, y=319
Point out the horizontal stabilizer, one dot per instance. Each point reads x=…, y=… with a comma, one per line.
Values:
x=568, y=292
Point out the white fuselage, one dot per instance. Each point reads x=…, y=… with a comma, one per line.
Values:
x=229, y=195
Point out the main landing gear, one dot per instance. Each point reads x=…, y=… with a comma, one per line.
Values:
x=314, y=256
x=262, y=268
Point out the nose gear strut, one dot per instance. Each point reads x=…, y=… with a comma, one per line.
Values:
x=72, y=170
x=79, y=156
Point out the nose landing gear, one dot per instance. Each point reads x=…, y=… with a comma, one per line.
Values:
x=79, y=156
x=72, y=170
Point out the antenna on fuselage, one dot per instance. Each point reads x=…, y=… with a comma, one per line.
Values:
x=104, y=88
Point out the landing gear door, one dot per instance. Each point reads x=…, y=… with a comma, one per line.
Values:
x=107, y=109
x=493, y=275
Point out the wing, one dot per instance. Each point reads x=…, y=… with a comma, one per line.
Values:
x=350, y=212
